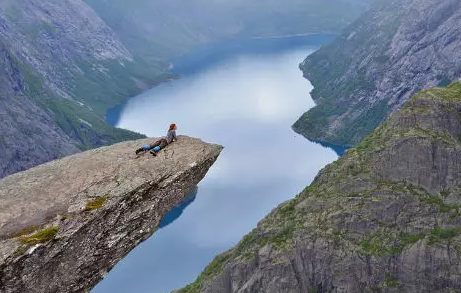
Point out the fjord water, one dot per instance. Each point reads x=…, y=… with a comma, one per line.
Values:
x=245, y=100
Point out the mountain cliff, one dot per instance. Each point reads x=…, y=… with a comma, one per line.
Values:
x=28, y=134
x=393, y=51
x=383, y=218
x=63, y=67
x=67, y=62
x=65, y=224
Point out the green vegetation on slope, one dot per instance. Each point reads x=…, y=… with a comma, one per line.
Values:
x=95, y=204
x=369, y=71
x=351, y=191
x=95, y=91
x=327, y=69
x=41, y=236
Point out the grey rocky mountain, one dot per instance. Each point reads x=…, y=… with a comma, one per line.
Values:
x=72, y=60
x=383, y=218
x=54, y=55
x=393, y=51
x=65, y=224
x=28, y=134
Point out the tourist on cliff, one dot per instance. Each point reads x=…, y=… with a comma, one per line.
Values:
x=155, y=147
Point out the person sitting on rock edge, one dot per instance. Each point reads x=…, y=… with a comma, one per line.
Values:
x=155, y=147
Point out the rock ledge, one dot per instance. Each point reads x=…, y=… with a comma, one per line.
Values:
x=64, y=224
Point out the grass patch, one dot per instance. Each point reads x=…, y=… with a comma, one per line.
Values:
x=391, y=281
x=434, y=200
x=25, y=231
x=439, y=235
x=213, y=269
x=374, y=247
x=381, y=244
x=64, y=217
x=95, y=204
x=41, y=236
x=409, y=239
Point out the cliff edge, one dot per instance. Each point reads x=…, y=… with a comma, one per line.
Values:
x=383, y=218
x=65, y=224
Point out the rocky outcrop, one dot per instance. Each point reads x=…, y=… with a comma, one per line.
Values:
x=383, y=218
x=65, y=224
x=393, y=51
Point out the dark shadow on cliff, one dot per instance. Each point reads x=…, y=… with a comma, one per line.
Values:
x=177, y=211
x=339, y=149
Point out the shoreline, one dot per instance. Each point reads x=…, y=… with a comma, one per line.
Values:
x=112, y=121
x=108, y=120
x=293, y=36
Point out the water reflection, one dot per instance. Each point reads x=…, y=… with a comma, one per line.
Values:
x=246, y=103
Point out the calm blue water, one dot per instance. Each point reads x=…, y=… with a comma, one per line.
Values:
x=247, y=101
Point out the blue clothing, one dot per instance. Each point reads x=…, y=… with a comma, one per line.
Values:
x=170, y=136
x=146, y=147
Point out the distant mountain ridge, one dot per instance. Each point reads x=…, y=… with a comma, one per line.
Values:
x=167, y=28
x=394, y=50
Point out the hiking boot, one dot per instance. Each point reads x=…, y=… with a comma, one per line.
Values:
x=138, y=151
x=153, y=153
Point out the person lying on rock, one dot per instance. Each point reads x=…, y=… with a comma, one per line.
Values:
x=160, y=144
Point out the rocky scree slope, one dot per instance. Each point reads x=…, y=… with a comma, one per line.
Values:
x=393, y=51
x=383, y=218
x=65, y=224
x=63, y=67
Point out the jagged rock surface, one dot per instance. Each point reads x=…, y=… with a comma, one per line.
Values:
x=393, y=51
x=129, y=197
x=384, y=218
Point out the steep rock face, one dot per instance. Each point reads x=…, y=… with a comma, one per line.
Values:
x=384, y=218
x=28, y=134
x=64, y=224
x=395, y=50
x=53, y=36
x=63, y=67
